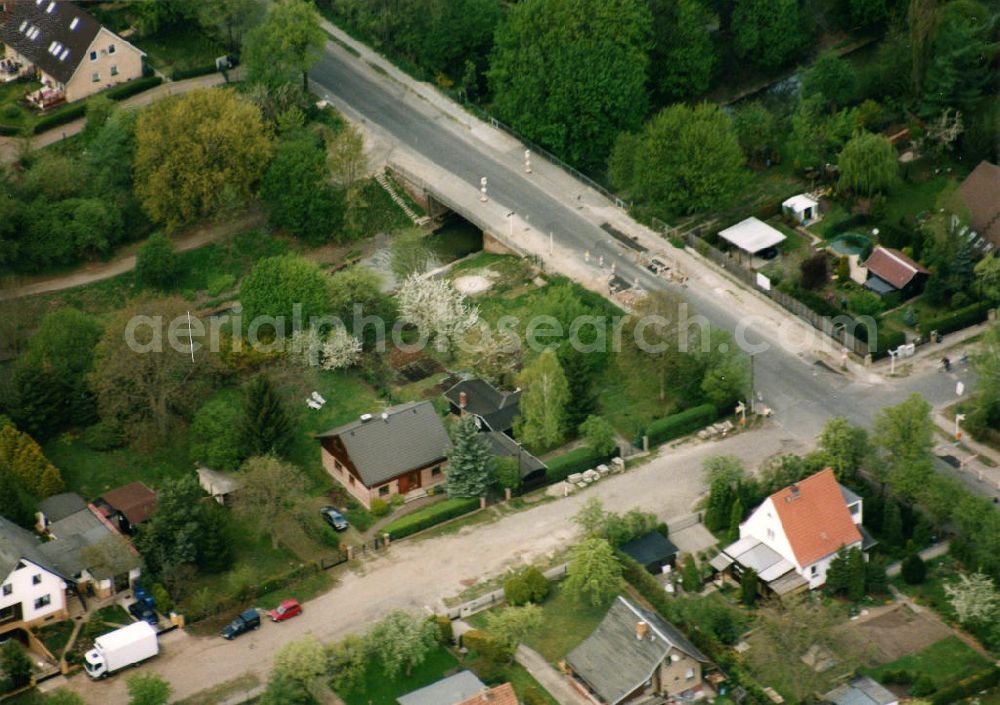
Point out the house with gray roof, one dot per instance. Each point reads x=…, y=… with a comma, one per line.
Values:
x=400, y=451
x=32, y=588
x=861, y=691
x=633, y=653
x=493, y=409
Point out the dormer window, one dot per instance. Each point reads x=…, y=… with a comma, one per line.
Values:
x=74, y=24
x=24, y=23
x=62, y=57
x=51, y=8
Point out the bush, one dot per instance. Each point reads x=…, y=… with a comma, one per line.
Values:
x=485, y=645
x=814, y=271
x=970, y=686
x=527, y=586
x=532, y=696
x=127, y=90
x=914, y=570
x=162, y=598
x=864, y=303
x=681, y=424
x=924, y=685
x=445, y=633
x=578, y=460
x=380, y=507
x=887, y=340
x=957, y=320
x=75, y=111
x=103, y=436
x=156, y=262
x=219, y=283
x=430, y=516
x=899, y=676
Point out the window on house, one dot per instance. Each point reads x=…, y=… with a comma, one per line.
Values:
x=111, y=48
x=770, y=533
x=36, y=579
x=8, y=589
x=435, y=472
x=114, y=70
x=42, y=601
x=351, y=479
x=383, y=490
x=93, y=56
x=855, y=508
x=814, y=571
x=95, y=77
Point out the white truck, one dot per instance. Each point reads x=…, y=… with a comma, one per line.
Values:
x=123, y=647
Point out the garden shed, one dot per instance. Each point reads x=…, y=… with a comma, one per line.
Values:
x=652, y=551
x=803, y=207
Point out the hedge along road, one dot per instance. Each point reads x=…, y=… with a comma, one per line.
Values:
x=415, y=575
x=9, y=146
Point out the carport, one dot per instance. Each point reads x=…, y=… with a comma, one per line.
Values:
x=752, y=236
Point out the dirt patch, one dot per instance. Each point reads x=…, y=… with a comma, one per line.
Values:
x=896, y=633
x=474, y=283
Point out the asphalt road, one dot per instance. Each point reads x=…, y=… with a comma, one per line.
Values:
x=802, y=391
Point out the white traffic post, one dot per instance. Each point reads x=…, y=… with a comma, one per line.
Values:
x=527, y=161
x=482, y=190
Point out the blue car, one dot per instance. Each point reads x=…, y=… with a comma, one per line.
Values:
x=334, y=518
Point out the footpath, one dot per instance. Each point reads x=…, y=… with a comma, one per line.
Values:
x=10, y=146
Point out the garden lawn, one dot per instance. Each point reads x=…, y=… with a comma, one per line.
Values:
x=909, y=198
x=945, y=662
x=377, y=689
x=91, y=473
x=565, y=623
x=56, y=636
x=12, y=112
x=179, y=49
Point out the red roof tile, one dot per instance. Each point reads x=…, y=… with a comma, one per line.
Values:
x=503, y=694
x=815, y=517
x=893, y=266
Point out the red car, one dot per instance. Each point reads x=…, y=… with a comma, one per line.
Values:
x=286, y=610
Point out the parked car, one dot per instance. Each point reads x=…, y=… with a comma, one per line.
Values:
x=334, y=518
x=286, y=610
x=247, y=621
x=143, y=611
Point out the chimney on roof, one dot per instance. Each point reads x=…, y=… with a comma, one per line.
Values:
x=462, y=400
x=794, y=493
x=486, y=695
x=640, y=630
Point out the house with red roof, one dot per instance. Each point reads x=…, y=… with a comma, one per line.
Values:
x=792, y=537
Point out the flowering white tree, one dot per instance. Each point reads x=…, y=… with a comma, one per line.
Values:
x=437, y=309
x=974, y=598
x=336, y=350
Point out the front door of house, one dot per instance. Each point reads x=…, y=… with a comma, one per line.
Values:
x=409, y=482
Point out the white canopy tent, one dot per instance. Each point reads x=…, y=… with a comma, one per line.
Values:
x=752, y=235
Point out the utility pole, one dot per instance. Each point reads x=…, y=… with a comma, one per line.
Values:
x=753, y=394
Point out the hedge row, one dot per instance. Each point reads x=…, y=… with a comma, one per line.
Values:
x=957, y=320
x=264, y=587
x=181, y=74
x=970, y=686
x=681, y=424
x=430, y=516
x=577, y=460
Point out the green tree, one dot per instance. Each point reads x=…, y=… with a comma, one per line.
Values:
x=856, y=574
x=988, y=276
x=266, y=428
x=599, y=435
x=401, y=642
x=285, y=45
x=736, y=516
x=471, y=465
x=197, y=154
x=156, y=262
x=16, y=663
x=62, y=696
x=528, y=586
x=508, y=473
x=543, y=402
x=231, y=18
x=690, y=576
x=769, y=33
x=838, y=573
x=303, y=661
x=511, y=625
x=276, y=286
x=571, y=74
x=866, y=13
x=685, y=159
x=579, y=369
x=147, y=689
x=348, y=662
x=187, y=528
x=843, y=447
x=757, y=130
x=749, y=587
x=282, y=690
x=270, y=491
x=913, y=569
x=594, y=574
x=683, y=58
x=726, y=378
x=215, y=435
x=142, y=381
x=720, y=503
x=958, y=71
x=831, y=77
x=905, y=435
x=868, y=165
x=296, y=190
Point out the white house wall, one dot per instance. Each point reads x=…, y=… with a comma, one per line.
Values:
x=764, y=526
x=26, y=592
